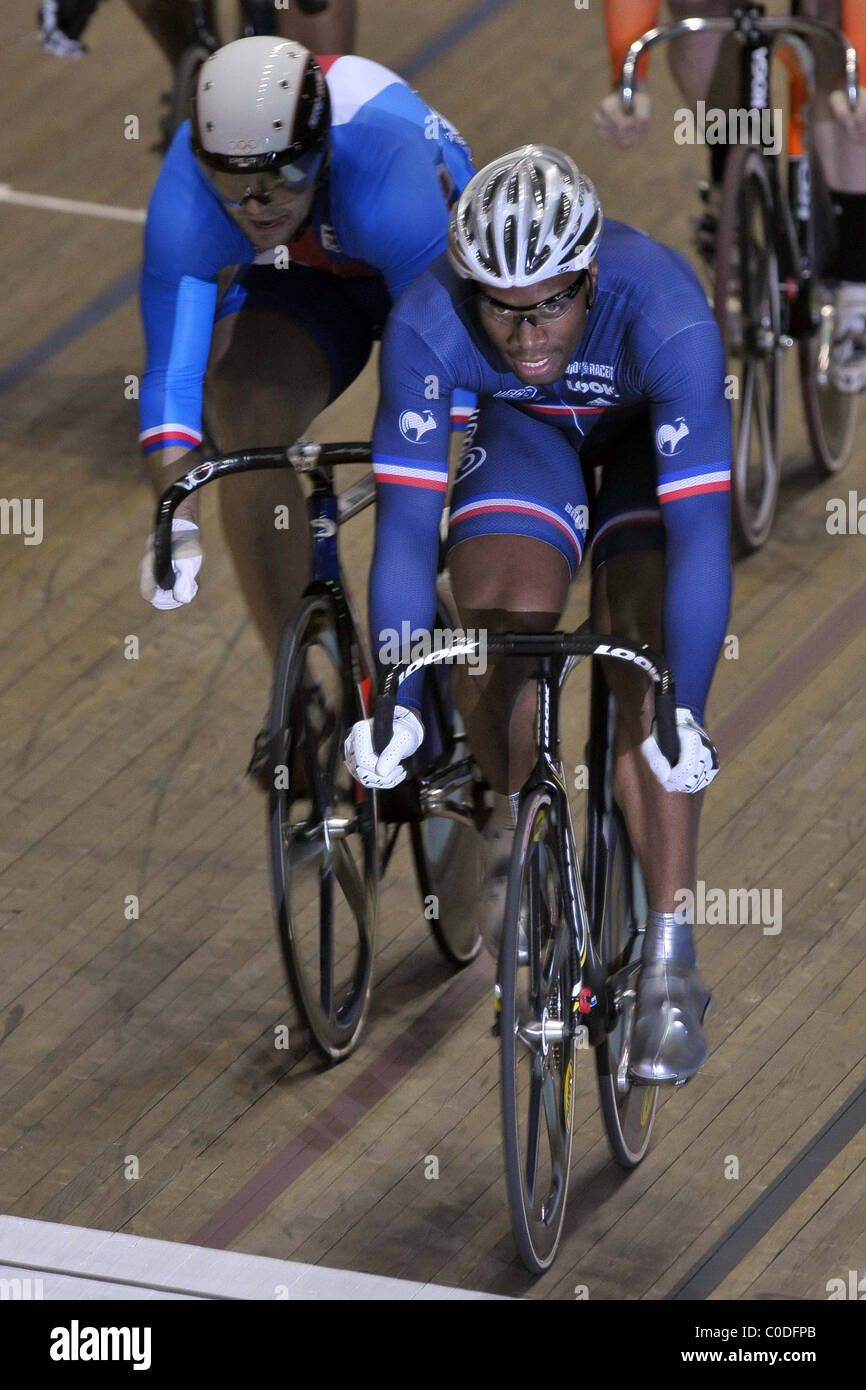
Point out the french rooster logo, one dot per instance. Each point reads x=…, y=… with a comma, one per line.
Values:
x=669, y=436
x=413, y=426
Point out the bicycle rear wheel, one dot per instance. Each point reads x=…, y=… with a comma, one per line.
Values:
x=322, y=827
x=537, y=1044
x=748, y=311
x=183, y=91
x=619, y=914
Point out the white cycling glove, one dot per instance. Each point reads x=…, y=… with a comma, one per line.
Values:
x=383, y=770
x=615, y=127
x=698, y=761
x=186, y=555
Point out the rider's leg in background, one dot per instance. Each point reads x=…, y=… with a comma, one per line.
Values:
x=843, y=161
x=267, y=380
x=627, y=593
x=168, y=23
x=695, y=58
x=333, y=31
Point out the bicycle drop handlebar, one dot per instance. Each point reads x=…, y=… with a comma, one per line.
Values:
x=564, y=644
x=766, y=26
x=305, y=456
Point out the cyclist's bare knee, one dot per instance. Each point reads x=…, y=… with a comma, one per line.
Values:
x=517, y=574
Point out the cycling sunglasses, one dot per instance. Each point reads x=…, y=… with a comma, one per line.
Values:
x=275, y=183
x=545, y=311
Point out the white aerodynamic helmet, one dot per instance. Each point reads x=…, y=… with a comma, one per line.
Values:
x=261, y=103
x=527, y=216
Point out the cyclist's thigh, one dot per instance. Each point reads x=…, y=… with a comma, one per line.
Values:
x=518, y=478
x=628, y=549
x=288, y=342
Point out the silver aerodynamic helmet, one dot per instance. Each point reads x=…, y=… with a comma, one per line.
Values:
x=261, y=104
x=527, y=216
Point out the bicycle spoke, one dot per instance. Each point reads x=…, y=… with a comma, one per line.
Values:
x=326, y=936
x=533, y=1136
x=351, y=883
x=744, y=434
x=554, y=1130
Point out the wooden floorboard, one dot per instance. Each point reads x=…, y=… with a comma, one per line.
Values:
x=154, y=1039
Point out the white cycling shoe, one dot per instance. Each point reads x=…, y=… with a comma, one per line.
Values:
x=848, y=351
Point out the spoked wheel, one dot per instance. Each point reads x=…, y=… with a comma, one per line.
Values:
x=831, y=415
x=628, y=1109
x=322, y=830
x=748, y=310
x=536, y=1040
x=446, y=842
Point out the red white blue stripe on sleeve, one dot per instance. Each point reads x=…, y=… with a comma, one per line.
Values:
x=388, y=469
x=685, y=482
x=169, y=436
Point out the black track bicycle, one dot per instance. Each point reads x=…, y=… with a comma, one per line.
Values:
x=572, y=940
x=773, y=245
x=330, y=840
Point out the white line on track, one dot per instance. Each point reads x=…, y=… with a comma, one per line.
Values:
x=42, y=200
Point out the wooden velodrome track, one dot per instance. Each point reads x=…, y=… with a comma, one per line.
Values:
x=154, y=1037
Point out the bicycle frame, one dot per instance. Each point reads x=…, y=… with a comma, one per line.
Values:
x=759, y=36
x=558, y=654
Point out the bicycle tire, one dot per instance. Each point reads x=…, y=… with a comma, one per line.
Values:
x=628, y=1110
x=534, y=992
x=750, y=325
x=322, y=827
x=183, y=90
x=447, y=852
x=618, y=903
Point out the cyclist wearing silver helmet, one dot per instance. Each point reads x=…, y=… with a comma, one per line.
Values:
x=592, y=349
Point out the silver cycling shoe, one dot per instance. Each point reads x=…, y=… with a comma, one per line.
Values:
x=668, y=1043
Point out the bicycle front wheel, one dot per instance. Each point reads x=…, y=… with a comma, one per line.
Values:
x=628, y=1110
x=748, y=311
x=445, y=848
x=537, y=1046
x=322, y=828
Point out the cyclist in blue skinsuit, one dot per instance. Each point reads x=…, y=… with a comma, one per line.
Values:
x=588, y=348
x=328, y=183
